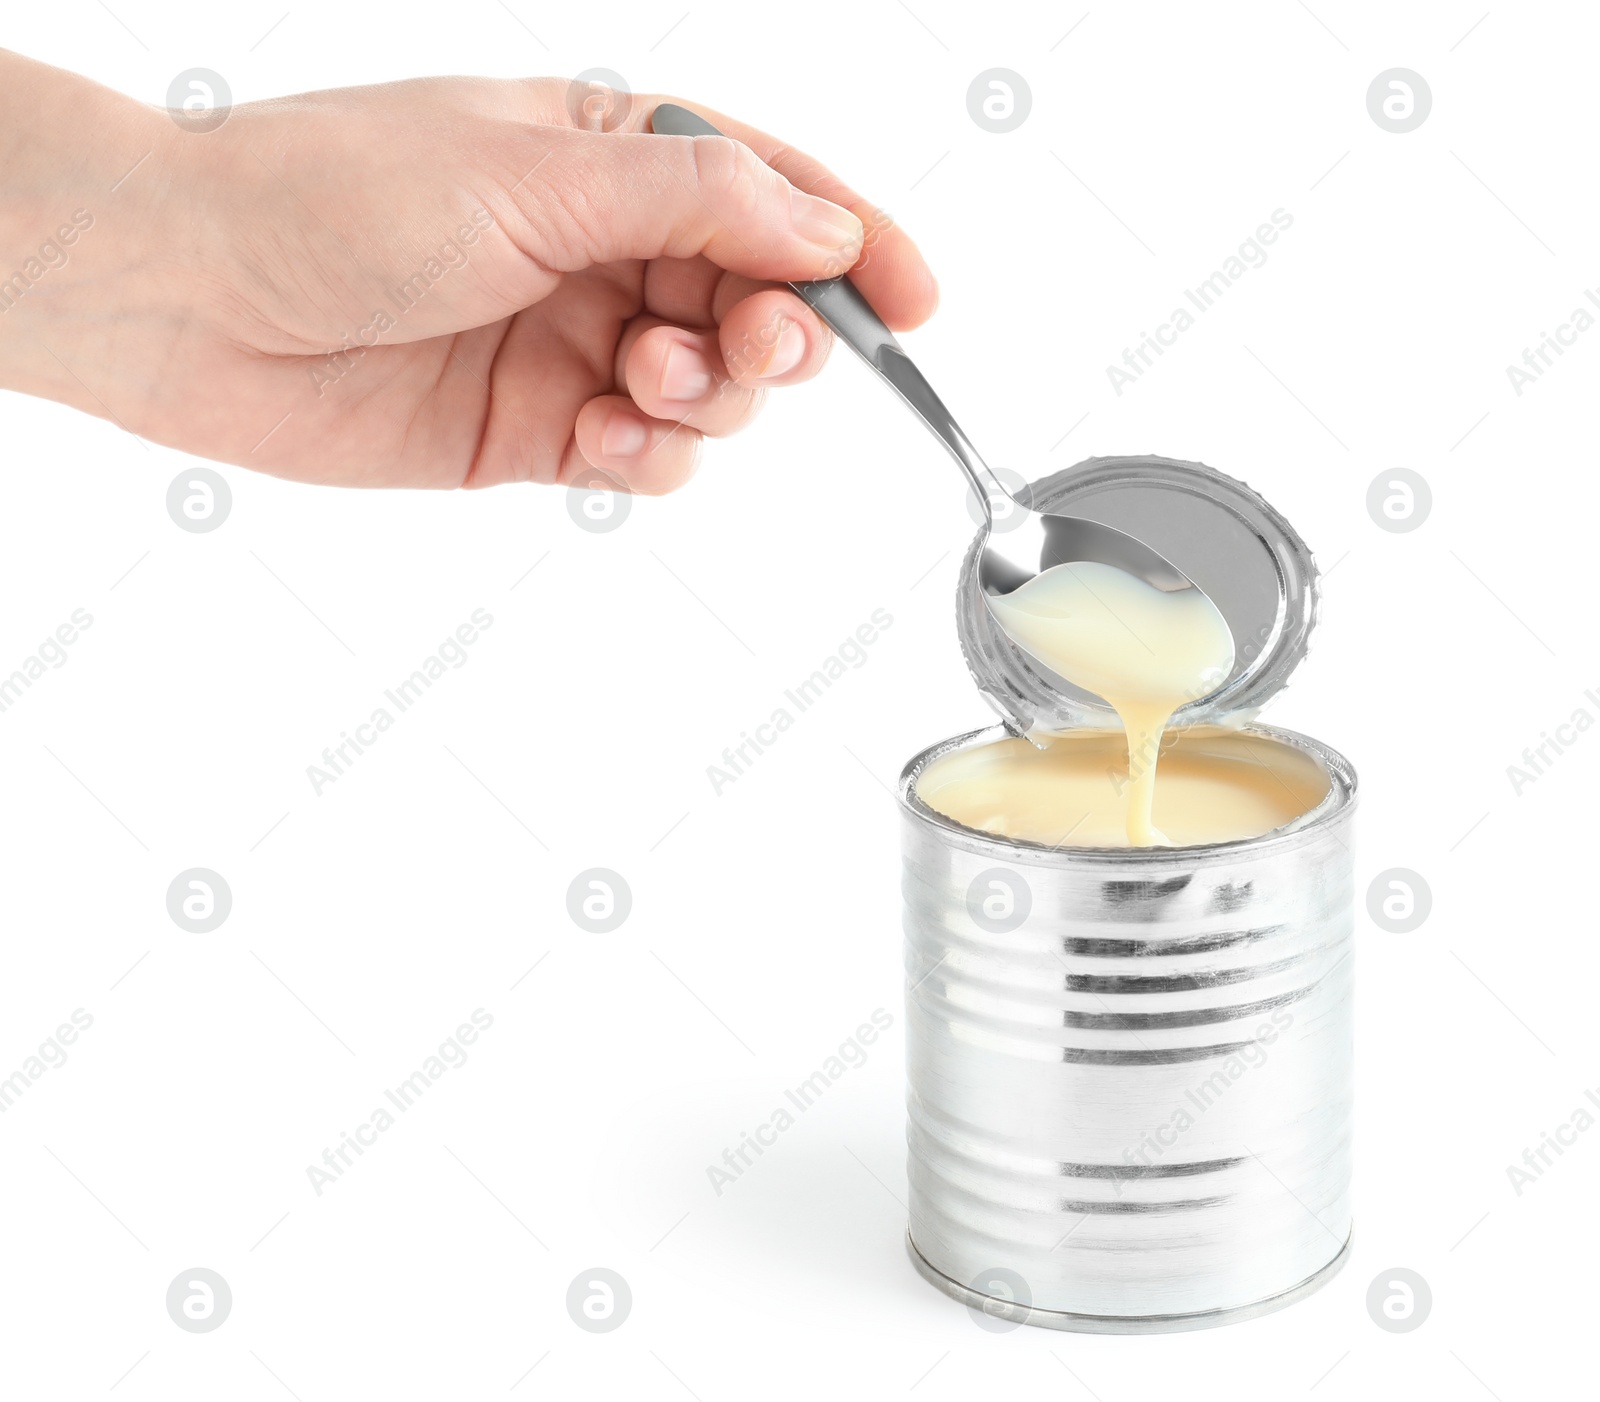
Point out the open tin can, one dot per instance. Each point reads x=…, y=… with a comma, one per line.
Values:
x=1130, y=1069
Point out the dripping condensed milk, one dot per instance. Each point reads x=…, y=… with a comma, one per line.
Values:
x=1128, y=917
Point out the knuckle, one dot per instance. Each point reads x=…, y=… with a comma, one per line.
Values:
x=730, y=177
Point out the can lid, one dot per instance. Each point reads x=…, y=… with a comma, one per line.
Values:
x=1220, y=533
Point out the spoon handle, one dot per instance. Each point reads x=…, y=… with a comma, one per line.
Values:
x=849, y=315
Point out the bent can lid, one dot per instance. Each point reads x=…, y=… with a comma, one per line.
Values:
x=1223, y=535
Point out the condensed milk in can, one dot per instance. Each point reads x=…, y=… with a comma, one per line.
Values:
x=1130, y=1068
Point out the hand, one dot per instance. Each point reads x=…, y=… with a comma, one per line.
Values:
x=437, y=283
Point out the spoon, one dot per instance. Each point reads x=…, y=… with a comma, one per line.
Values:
x=1026, y=542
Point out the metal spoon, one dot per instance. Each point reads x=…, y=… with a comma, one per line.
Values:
x=1029, y=541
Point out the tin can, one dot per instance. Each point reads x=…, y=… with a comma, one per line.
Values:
x=1130, y=1069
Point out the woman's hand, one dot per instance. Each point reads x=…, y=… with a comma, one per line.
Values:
x=437, y=283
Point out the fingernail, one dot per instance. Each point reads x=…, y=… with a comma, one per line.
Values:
x=624, y=436
x=685, y=376
x=823, y=223
x=787, y=351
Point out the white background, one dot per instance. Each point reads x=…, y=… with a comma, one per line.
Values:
x=427, y=881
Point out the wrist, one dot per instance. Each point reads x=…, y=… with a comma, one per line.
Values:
x=70, y=223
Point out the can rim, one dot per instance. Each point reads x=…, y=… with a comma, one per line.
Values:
x=1072, y=1322
x=1339, y=802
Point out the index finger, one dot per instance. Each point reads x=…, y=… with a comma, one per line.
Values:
x=891, y=272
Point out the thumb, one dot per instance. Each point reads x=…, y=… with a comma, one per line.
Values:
x=605, y=197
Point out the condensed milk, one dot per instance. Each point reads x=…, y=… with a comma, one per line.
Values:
x=1146, y=651
x=1216, y=785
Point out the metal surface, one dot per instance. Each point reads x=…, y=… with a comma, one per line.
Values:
x=1138, y=1099
x=1120, y=1324
x=1033, y=539
x=1245, y=557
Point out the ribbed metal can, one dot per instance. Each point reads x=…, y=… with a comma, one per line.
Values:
x=1129, y=1069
